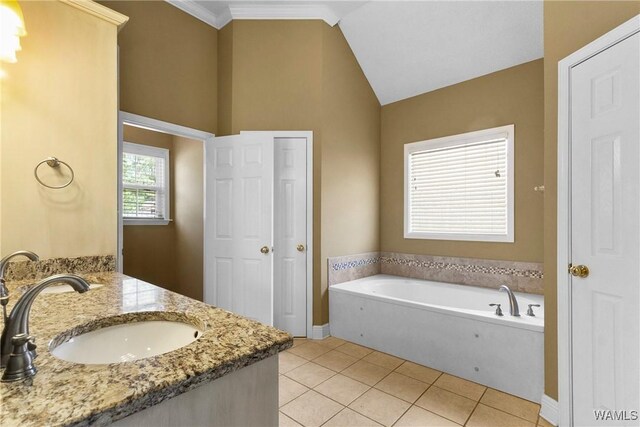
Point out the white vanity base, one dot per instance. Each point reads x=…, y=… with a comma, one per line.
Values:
x=247, y=397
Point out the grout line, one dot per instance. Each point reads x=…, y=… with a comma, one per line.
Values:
x=509, y=413
x=346, y=407
x=475, y=407
x=334, y=415
x=433, y=412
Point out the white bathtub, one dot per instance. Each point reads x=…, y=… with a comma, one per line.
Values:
x=447, y=327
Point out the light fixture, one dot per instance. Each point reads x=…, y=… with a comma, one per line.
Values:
x=11, y=29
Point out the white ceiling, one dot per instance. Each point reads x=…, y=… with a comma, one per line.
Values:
x=406, y=48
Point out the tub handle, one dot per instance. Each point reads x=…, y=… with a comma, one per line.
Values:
x=530, y=310
x=498, y=309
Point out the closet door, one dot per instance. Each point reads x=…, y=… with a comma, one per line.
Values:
x=290, y=235
x=239, y=225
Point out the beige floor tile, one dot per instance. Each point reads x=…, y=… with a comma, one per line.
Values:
x=331, y=342
x=285, y=421
x=398, y=385
x=350, y=418
x=418, y=417
x=311, y=409
x=460, y=386
x=419, y=372
x=335, y=360
x=380, y=407
x=310, y=374
x=288, y=361
x=288, y=390
x=366, y=372
x=299, y=341
x=544, y=423
x=485, y=416
x=309, y=350
x=354, y=350
x=342, y=389
x=446, y=404
x=511, y=404
x=383, y=359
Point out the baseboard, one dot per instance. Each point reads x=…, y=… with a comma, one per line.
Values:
x=549, y=409
x=320, y=332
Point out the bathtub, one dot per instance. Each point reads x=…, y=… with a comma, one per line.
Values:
x=447, y=327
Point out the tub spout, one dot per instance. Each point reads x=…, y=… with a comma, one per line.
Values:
x=513, y=302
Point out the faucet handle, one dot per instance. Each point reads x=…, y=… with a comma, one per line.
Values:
x=498, y=309
x=530, y=309
x=20, y=365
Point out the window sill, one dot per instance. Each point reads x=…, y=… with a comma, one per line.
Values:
x=489, y=238
x=130, y=221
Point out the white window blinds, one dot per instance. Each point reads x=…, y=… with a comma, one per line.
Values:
x=145, y=182
x=460, y=187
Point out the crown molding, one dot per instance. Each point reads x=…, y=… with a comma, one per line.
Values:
x=98, y=10
x=256, y=11
x=201, y=13
x=266, y=11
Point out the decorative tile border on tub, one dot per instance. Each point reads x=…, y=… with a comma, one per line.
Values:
x=36, y=270
x=519, y=276
x=352, y=267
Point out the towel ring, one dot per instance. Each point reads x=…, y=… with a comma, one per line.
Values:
x=54, y=163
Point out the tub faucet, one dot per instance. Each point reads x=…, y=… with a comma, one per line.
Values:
x=513, y=302
x=16, y=345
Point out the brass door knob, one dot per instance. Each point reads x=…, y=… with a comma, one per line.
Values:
x=579, y=270
x=264, y=249
x=300, y=248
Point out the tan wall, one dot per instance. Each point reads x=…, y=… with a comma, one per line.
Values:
x=189, y=219
x=568, y=26
x=301, y=75
x=59, y=100
x=168, y=64
x=225, y=75
x=149, y=251
x=350, y=183
x=276, y=75
x=171, y=255
x=514, y=95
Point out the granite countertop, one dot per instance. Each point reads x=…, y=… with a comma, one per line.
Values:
x=64, y=393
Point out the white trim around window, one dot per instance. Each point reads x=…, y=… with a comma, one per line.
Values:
x=163, y=153
x=434, y=212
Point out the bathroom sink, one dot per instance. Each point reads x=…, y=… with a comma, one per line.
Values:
x=61, y=289
x=127, y=342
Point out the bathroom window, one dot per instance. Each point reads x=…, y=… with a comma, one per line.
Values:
x=145, y=185
x=460, y=187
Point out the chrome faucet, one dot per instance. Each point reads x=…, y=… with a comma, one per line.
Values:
x=513, y=302
x=4, y=292
x=16, y=345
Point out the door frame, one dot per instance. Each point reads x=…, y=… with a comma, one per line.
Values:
x=565, y=364
x=309, y=137
x=136, y=120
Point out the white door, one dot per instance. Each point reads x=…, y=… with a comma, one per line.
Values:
x=290, y=231
x=239, y=225
x=605, y=234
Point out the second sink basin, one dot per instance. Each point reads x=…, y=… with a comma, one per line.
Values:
x=63, y=289
x=127, y=342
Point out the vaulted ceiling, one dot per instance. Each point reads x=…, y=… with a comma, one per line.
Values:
x=406, y=48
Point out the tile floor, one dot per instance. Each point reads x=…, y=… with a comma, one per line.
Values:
x=337, y=383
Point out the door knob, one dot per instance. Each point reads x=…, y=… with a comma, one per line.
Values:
x=300, y=247
x=579, y=270
x=264, y=249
